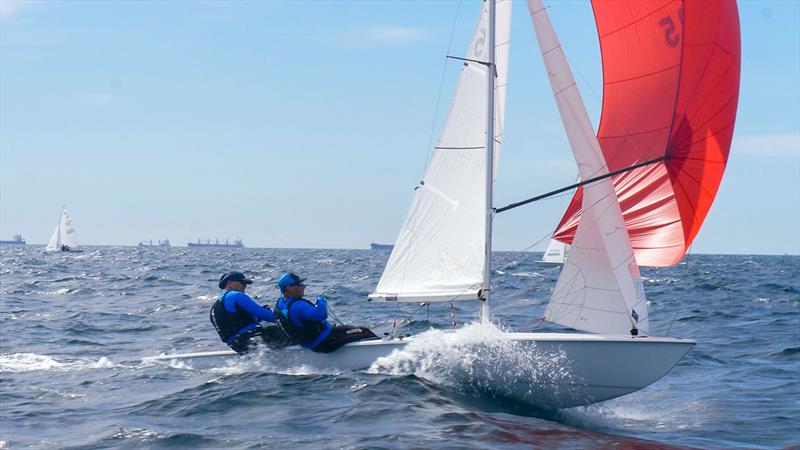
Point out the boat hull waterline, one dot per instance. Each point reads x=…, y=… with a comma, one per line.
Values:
x=592, y=368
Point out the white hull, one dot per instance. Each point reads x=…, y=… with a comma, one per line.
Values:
x=600, y=367
x=550, y=263
x=590, y=368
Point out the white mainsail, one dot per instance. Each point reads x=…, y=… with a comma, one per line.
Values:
x=439, y=253
x=599, y=289
x=64, y=234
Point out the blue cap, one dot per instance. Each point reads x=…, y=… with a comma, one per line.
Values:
x=233, y=276
x=289, y=279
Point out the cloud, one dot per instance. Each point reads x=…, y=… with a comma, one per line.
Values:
x=785, y=145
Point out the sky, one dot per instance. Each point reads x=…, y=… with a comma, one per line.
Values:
x=308, y=124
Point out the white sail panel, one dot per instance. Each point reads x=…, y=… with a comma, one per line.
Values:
x=64, y=233
x=556, y=252
x=599, y=289
x=439, y=253
x=52, y=244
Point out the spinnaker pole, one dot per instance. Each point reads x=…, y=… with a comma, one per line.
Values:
x=490, y=74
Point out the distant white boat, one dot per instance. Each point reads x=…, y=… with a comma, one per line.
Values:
x=556, y=253
x=63, y=237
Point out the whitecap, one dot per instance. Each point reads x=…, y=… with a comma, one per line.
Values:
x=103, y=363
x=32, y=362
x=526, y=274
x=27, y=362
x=135, y=433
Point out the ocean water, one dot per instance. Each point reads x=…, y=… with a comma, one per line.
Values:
x=76, y=327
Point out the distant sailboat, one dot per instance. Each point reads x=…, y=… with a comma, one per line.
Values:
x=63, y=237
x=556, y=253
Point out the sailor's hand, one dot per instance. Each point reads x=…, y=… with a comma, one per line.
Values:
x=321, y=300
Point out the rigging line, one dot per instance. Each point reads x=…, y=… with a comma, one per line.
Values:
x=582, y=183
x=441, y=81
x=517, y=252
x=334, y=315
x=414, y=313
x=677, y=310
x=572, y=64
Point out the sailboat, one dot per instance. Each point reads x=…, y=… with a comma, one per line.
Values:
x=556, y=253
x=671, y=77
x=63, y=237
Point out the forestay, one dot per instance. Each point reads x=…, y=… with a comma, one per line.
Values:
x=64, y=234
x=599, y=289
x=439, y=253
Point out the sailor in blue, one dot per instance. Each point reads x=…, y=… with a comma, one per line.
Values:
x=237, y=318
x=306, y=323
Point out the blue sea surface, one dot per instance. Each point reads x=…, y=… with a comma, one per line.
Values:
x=76, y=326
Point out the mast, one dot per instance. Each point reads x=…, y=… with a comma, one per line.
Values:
x=490, y=72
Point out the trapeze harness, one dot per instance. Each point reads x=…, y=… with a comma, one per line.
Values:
x=230, y=325
x=306, y=335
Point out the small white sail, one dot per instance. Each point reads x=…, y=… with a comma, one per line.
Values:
x=439, y=253
x=556, y=252
x=599, y=289
x=64, y=234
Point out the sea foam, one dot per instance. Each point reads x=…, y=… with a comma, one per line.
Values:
x=32, y=362
x=480, y=359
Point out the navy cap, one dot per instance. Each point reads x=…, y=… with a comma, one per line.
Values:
x=233, y=276
x=289, y=279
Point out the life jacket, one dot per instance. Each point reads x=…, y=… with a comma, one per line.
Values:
x=228, y=324
x=305, y=334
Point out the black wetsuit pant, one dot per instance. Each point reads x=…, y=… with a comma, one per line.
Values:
x=271, y=335
x=343, y=334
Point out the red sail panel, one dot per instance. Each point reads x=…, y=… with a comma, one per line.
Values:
x=670, y=89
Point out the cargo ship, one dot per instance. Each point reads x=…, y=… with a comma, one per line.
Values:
x=18, y=240
x=216, y=244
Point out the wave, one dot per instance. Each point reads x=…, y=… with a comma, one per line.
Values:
x=32, y=362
